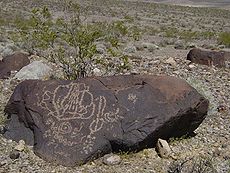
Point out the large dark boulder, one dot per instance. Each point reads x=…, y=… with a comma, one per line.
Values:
x=208, y=57
x=77, y=121
x=13, y=63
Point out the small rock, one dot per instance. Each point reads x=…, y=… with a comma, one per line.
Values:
x=97, y=72
x=134, y=72
x=222, y=108
x=191, y=45
x=10, y=141
x=171, y=61
x=2, y=129
x=191, y=66
x=14, y=154
x=130, y=49
x=179, y=45
x=221, y=46
x=111, y=159
x=101, y=49
x=150, y=46
x=20, y=146
x=163, y=148
x=2, y=163
x=35, y=70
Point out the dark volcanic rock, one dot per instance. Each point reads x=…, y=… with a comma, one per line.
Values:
x=14, y=154
x=13, y=63
x=207, y=57
x=77, y=121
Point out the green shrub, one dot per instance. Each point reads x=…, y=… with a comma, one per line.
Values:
x=224, y=38
x=71, y=43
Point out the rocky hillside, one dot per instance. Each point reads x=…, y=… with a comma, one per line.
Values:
x=157, y=38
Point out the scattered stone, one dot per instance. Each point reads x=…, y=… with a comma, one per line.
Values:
x=8, y=49
x=76, y=121
x=191, y=66
x=221, y=46
x=163, y=148
x=111, y=159
x=209, y=46
x=180, y=45
x=13, y=63
x=222, y=108
x=97, y=72
x=35, y=70
x=207, y=57
x=20, y=146
x=101, y=48
x=171, y=61
x=191, y=45
x=150, y=46
x=14, y=154
x=2, y=129
x=2, y=163
x=130, y=49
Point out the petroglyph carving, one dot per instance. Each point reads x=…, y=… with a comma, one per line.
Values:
x=75, y=116
x=132, y=97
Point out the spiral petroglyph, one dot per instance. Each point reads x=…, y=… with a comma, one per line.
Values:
x=66, y=105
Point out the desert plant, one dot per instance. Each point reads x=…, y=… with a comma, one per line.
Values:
x=224, y=38
x=69, y=42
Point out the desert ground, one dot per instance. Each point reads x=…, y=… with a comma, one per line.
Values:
x=165, y=31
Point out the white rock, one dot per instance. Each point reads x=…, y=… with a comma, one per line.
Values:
x=191, y=66
x=111, y=159
x=171, y=61
x=35, y=70
x=20, y=146
x=163, y=148
x=97, y=72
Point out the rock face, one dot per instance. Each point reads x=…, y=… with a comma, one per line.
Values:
x=207, y=57
x=13, y=63
x=77, y=121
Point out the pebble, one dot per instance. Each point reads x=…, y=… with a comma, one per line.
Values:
x=130, y=49
x=14, y=154
x=97, y=72
x=101, y=49
x=163, y=148
x=191, y=66
x=171, y=61
x=150, y=46
x=111, y=159
x=2, y=129
x=20, y=146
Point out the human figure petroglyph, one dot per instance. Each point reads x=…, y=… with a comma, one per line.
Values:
x=69, y=104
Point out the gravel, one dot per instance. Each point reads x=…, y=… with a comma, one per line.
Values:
x=208, y=148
